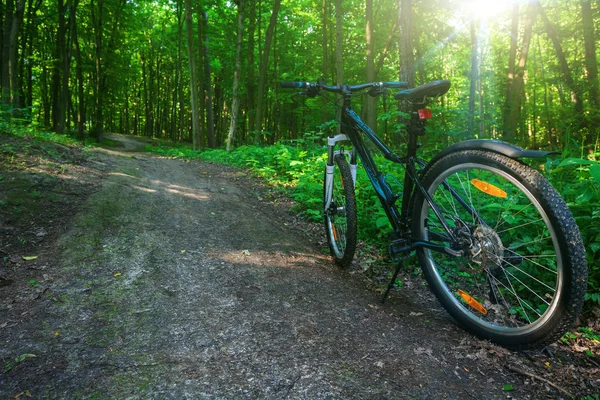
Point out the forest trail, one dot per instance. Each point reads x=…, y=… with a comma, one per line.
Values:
x=179, y=280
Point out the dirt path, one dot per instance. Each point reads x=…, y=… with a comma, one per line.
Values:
x=177, y=280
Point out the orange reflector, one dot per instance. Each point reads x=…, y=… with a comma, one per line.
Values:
x=488, y=188
x=472, y=302
x=334, y=231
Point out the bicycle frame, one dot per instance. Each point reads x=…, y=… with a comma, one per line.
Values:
x=351, y=129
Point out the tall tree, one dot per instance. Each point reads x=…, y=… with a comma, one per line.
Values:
x=13, y=19
x=339, y=42
x=264, y=61
x=324, y=23
x=564, y=66
x=371, y=115
x=235, y=103
x=193, y=74
x=251, y=81
x=474, y=77
x=339, y=60
x=509, y=100
x=207, y=83
x=407, y=61
x=62, y=70
x=591, y=67
x=591, y=62
x=79, y=77
x=104, y=51
x=513, y=110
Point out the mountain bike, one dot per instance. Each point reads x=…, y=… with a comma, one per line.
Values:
x=497, y=244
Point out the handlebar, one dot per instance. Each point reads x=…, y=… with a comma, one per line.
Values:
x=316, y=87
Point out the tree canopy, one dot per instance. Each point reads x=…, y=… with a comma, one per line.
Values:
x=524, y=70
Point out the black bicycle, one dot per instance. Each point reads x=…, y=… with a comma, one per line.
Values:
x=496, y=242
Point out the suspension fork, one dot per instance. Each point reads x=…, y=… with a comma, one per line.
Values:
x=330, y=166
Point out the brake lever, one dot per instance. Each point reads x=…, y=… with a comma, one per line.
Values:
x=376, y=91
x=311, y=92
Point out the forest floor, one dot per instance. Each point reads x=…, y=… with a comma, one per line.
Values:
x=127, y=275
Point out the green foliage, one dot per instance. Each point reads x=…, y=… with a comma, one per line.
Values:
x=34, y=136
x=578, y=181
x=13, y=363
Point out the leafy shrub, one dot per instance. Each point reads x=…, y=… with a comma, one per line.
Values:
x=578, y=181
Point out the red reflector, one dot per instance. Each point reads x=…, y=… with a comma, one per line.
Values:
x=425, y=113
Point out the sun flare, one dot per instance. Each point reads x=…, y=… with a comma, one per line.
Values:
x=487, y=8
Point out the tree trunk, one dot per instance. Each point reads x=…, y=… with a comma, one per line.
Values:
x=264, y=61
x=80, y=82
x=407, y=62
x=591, y=64
x=98, y=24
x=388, y=43
x=371, y=112
x=177, y=130
x=235, y=104
x=193, y=74
x=10, y=66
x=251, y=81
x=325, y=49
x=591, y=69
x=339, y=61
x=513, y=111
x=210, y=125
x=324, y=19
x=564, y=66
x=63, y=64
x=474, y=78
x=28, y=50
x=6, y=18
x=406, y=43
x=103, y=54
x=508, y=129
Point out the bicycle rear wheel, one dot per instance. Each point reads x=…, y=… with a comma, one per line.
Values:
x=340, y=212
x=521, y=278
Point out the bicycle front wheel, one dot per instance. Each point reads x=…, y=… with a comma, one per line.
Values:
x=520, y=278
x=340, y=212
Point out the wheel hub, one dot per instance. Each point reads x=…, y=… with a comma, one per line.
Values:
x=487, y=249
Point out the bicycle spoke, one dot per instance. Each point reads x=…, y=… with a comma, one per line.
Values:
x=520, y=226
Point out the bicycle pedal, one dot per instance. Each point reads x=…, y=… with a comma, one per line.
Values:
x=397, y=250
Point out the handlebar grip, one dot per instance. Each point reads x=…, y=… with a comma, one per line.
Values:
x=396, y=85
x=292, y=85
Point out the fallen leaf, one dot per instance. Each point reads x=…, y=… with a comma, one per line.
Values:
x=183, y=251
x=26, y=393
x=508, y=388
x=29, y=258
x=246, y=252
x=579, y=349
x=117, y=274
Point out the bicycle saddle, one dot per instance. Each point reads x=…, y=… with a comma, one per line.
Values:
x=422, y=94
